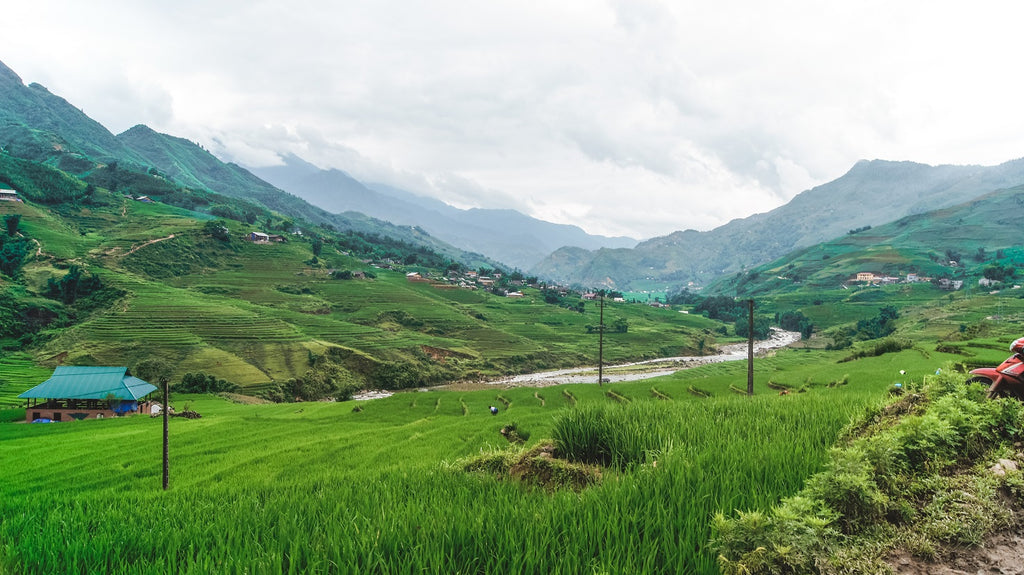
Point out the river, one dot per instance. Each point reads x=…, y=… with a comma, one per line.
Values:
x=633, y=371
x=650, y=368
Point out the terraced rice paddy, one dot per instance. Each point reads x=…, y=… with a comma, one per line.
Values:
x=323, y=488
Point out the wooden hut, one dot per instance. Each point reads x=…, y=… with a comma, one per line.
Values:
x=77, y=392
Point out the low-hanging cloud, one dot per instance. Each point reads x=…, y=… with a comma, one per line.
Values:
x=624, y=117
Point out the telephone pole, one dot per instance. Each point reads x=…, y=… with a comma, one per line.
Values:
x=600, y=344
x=750, y=349
x=167, y=464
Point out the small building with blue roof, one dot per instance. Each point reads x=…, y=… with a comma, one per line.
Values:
x=81, y=392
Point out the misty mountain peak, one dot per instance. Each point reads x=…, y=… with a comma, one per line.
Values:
x=8, y=76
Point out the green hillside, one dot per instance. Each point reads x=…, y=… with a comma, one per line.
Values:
x=261, y=315
x=38, y=126
x=957, y=243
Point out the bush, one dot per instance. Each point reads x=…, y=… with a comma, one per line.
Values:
x=203, y=383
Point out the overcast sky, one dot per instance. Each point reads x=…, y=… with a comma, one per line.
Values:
x=622, y=117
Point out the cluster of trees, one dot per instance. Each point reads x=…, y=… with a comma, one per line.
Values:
x=795, y=321
x=22, y=319
x=203, y=383
x=326, y=379
x=683, y=297
x=736, y=311
x=373, y=246
x=997, y=272
x=723, y=308
x=73, y=285
x=570, y=300
x=218, y=230
x=762, y=327
x=880, y=326
x=230, y=212
x=13, y=248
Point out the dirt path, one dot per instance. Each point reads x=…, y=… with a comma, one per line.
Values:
x=140, y=246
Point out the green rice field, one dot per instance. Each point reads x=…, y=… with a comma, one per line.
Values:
x=326, y=488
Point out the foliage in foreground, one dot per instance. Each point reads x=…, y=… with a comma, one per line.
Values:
x=913, y=477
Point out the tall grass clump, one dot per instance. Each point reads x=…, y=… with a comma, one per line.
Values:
x=616, y=436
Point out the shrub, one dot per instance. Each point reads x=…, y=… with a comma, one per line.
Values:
x=203, y=383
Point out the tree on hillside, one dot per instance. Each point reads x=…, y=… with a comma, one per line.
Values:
x=12, y=254
x=721, y=307
x=999, y=273
x=11, y=222
x=74, y=285
x=879, y=326
x=217, y=230
x=203, y=383
x=795, y=321
x=683, y=297
x=620, y=325
x=762, y=327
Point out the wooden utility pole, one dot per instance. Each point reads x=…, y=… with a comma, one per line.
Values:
x=166, y=408
x=600, y=344
x=750, y=349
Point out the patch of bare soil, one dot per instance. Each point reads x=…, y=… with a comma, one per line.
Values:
x=1002, y=553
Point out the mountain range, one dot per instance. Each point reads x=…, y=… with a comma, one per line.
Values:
x=508, y=236
x=870, y=194
x=40, y=126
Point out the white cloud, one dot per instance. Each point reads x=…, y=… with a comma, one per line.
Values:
x=635, y=117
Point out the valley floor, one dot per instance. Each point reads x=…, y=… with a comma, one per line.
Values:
x=647, y=369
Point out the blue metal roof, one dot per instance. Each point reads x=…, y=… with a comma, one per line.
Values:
x=80, y=382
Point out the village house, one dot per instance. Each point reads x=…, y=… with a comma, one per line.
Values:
x=144, y=199
x=865, y=277
x=9, y=196
x=948, y=284
x=78, y=392
x=262, y=238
